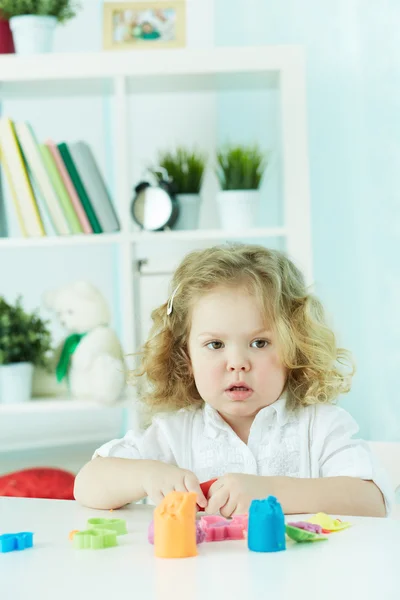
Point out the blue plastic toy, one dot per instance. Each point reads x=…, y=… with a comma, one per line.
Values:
x=16, y=541
x=266, y=532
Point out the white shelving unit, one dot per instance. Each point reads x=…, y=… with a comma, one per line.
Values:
x=159, y=236
x=67, y=422
x=173, y=70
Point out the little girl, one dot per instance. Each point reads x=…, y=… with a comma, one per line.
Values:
x=242, y=372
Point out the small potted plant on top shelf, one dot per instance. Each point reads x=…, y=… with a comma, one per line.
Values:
x=185, y=168
x=25, y=342
x=33, y=22
x=239, y=171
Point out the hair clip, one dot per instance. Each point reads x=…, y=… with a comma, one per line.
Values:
x=169, y=305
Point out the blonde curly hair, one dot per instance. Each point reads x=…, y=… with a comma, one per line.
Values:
x=317, y=370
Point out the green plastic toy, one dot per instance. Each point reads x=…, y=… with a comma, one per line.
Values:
x=117, y=525
x=94, y=539
x=300, y=535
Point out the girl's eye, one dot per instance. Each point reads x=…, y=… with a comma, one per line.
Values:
x=259, y=344
x=215, y=345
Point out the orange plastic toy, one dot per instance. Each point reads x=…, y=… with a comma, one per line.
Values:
x=72, y=533
x=175, y=526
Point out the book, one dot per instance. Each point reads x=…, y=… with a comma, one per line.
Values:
x=20, y=187
x=80, y=188
x=80, y=211
x=60, y=190
x=3, y=216
x=14, y=197
x=47, y=223
x=94, y=185
x=38, y=171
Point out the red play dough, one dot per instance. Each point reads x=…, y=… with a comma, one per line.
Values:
x=205, y=488
x=43, y=482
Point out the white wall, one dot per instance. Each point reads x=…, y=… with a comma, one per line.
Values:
x=353, y=89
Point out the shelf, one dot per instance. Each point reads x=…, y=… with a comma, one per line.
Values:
x=64, y=240
x=207, y=234
x=45, y=423
x=159, y=236
x=147, y=64
x=60, y=405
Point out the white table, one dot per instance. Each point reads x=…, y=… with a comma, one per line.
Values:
x=359, y=563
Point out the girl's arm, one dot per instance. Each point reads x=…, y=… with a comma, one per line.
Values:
x=339, y=495
x=332, y=495
x=112, y=482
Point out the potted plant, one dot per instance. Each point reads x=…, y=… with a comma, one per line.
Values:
x=239, y=171
x=25, y=341
x=185, y=169
x=33, y=22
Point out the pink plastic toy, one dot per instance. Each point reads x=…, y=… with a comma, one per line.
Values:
x=314, y=528
x=218, y=528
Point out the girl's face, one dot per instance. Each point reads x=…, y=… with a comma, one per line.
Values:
x=234, y=357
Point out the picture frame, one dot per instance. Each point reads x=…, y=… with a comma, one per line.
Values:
x=143, y=25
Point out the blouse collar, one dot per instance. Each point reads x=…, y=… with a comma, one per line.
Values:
x=276, y=412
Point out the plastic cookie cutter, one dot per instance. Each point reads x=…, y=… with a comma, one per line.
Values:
x=205, y=488
x=175, y=526
x=306, y=526
x=328, y=524
x=94, y=539
x=311, y=527
x=305, y=532
x=217, y=528
x=117, y=525
x=16, y=541
x=266, y=526
x=200, y=535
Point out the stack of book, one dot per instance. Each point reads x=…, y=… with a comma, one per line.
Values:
x=57, y=189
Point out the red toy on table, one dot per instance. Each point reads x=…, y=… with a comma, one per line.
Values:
x=205, y=488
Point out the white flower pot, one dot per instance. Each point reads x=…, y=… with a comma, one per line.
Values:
x=189, y=211
x=15, y=382
x=33, y=34
x=238, y=209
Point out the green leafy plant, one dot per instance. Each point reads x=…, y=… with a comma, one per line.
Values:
x=24, y=337
x=63, y=10
x=185, y=167
x=240, y=167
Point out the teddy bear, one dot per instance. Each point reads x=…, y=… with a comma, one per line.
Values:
x=89, y=363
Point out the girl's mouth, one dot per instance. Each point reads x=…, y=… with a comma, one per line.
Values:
x=239, y=392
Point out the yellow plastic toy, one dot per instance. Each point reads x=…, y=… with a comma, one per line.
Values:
x=175, y=526
x=328, y=524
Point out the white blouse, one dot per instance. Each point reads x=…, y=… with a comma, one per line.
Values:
x=314, y=441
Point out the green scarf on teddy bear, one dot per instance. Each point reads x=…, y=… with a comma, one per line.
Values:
x=70, y=345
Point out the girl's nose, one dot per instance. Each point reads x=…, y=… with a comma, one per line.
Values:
x=238, y=364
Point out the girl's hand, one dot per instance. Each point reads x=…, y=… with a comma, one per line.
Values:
x=160, y=479
x=233, y=493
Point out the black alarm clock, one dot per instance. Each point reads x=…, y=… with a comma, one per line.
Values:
x=154, y=205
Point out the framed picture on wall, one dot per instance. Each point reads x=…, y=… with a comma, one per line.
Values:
x=130, y=25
